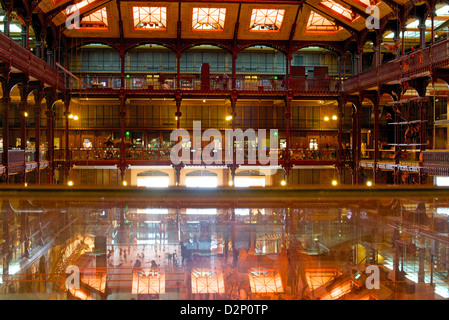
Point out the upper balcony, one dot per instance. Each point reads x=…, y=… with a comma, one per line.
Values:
x=195, y=85
x=413, y=65
x=25, y=61
x=21, y=160
x=156, y=156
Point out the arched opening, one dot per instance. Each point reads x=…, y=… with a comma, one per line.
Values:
x=150, y=64
x=98, y=58
x=206, y=66
x=260, y=66
x=318, y=65
x=201, y=179
x=249, y=178
x=153, y=179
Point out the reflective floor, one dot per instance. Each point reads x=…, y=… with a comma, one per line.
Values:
x=224, y=244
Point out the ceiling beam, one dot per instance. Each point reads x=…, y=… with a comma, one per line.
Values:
x=355, y=9
x=332, y=18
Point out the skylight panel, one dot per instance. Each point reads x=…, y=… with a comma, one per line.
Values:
x=77, y=6
x=98, y=19
x=266, y=19
x=147, y=18
x=339, y=9
x=319, y=23
x=208, y=18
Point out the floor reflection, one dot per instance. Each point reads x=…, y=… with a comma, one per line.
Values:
x=319, y=249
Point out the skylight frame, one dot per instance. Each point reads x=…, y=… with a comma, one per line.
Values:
x=260, y=17
x=99, y=17
x=150, y=18
x=218, y=16
x=313, y=27
x=339, y=10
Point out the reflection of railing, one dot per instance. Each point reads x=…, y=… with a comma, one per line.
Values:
x=326, y=85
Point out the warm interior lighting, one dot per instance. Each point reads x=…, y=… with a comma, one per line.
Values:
x=334, y=118
x=124, y=183
x=230, y=183
x=26, y=184
x=262, y=281
x=204, y=100
x=70, y=116
x=326, y=118
x=207, y=281
x=70, y=183
x=176, y=118
x=75, y=118
x=369, y=183
x=283, y=183
x=25, y=114
x=334, y=182
x=228, y=118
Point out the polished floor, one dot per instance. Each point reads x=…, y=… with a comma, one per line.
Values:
x=223, y=244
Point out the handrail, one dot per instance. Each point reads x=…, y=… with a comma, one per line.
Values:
x=27, y=62
x=406, y=66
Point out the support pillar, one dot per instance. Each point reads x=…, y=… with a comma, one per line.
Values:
x=376, y=140
x=340, y=164
x=67, y=138
x=50, y=139
x=37, y=133
x=6, y=103
x=122, y=165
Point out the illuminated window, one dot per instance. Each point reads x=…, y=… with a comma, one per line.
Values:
x=266, y=19
x=97, y=20
x=77, y=6
x=319, y=23
x=208, y=18
x=339, y=9
x=147, y=18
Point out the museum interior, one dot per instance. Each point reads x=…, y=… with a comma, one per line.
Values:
x=224, y=150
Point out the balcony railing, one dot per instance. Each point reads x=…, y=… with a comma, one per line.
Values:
x=163, y=155
x=406, y=66
x=25, y=61
x=212, y=84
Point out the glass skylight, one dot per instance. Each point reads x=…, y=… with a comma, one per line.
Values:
x=319, y=23
x=98, y=19
x=266, y=19
x=146, y=18
x=208, y=18
x=339, y=9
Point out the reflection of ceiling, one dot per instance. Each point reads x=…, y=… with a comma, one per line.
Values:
x=330, y=19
